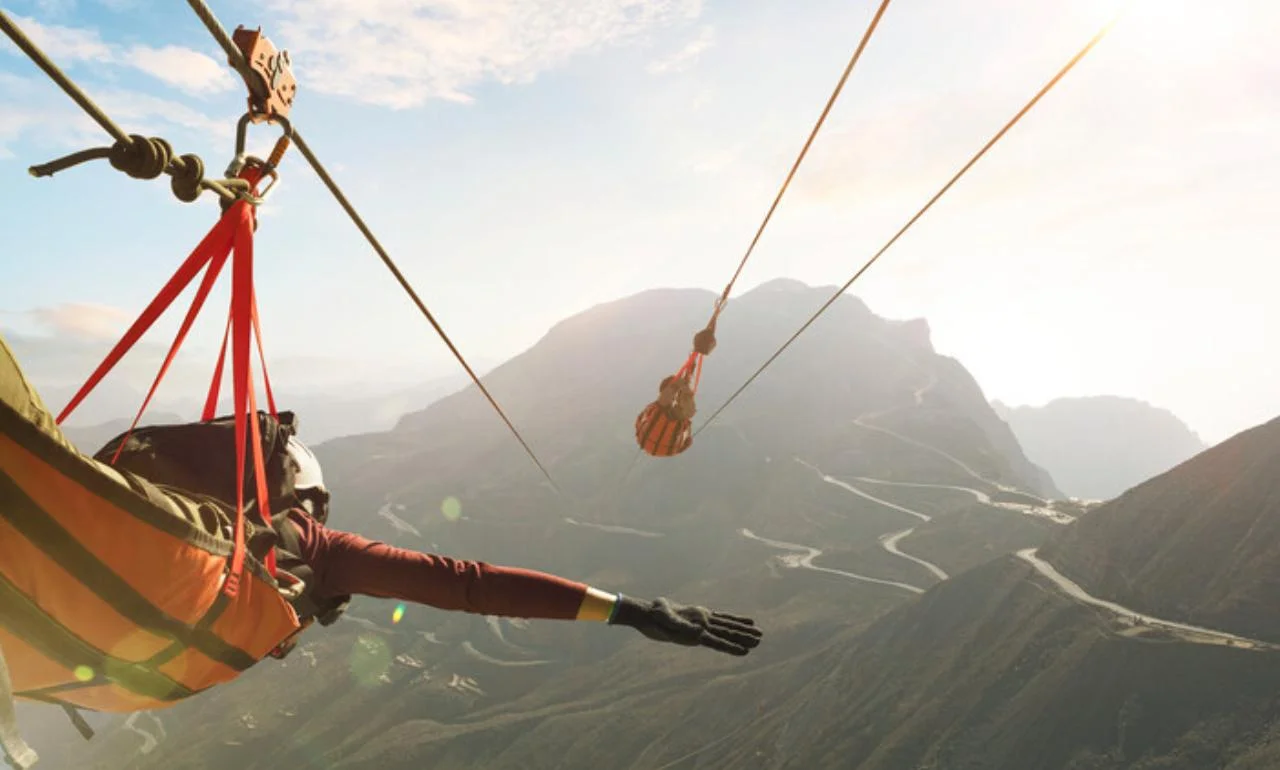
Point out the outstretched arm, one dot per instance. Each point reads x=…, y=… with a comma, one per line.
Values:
x=346, y=563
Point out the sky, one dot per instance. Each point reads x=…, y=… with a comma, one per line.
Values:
x=524, y=160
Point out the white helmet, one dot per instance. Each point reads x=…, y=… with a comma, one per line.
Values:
x=307, y=474
x=308, y=481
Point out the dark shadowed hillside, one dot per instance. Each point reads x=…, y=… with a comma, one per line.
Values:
x=1200, y=543
x=999, y=668
x=1097, y=447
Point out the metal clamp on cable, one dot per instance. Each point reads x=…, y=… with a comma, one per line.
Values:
x=267, y=74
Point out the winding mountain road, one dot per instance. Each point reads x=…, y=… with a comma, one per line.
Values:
x=149, y=741
x=470, y=649
x=802, y=556
x=1184, y=631
x=854, y=490
x=890, y=543
x=1007, y=489
x=387, y=511
x=1040, y=507
x=890, y=540
x=918, y=397
x=615, y=529
x=495, y=625
x=1046, y=511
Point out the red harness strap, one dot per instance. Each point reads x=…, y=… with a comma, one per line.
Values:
x=232, y=235
x=692, y=365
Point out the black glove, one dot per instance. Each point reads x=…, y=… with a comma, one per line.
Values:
x=666, y=621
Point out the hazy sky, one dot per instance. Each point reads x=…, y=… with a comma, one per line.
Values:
x=526, y=159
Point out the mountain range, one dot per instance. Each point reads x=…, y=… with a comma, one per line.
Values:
x=1097, y=447
x=329, y=415
x=862, y=501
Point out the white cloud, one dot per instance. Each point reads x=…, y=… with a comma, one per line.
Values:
x=65, y=44
x=35, y=110
x=14, y=122
x=32, y=107
x=150, y=115
x=685, y=57
x=56, y=7
x=118, y=5
x=83, y=320
x=400, y=53
x=183, y=68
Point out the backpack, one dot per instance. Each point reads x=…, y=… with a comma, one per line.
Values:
x=199, y=458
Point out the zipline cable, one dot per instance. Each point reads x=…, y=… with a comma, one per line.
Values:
x=813, y=134
x=972, y=161
x=786, y=183
x=391, y=265
x=664, y=428
x=138, y=156
x=57, y=76
x=236, y=59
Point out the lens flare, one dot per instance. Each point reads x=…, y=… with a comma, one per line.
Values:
x=84, y=673
x=398, y=615
x=451, y=508
x=370, y=659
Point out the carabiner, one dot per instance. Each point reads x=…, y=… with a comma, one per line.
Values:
x=241, y=158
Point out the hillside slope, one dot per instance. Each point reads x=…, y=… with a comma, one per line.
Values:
x=1199, y=543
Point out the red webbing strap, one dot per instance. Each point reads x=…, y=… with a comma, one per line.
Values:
x=245, y=403
x=210, y=276
x=215, y=385
x=260, y=474
x=211, y=401
x=232, y=235
x=262, y=357
x=692, y=366
x=168, y=293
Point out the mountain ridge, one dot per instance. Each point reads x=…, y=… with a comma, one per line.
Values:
x=1096, y=447
x=1198, y=543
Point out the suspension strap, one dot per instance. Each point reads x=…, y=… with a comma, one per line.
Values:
x=217, y=260
x=231, y=238
x=217, y=241
x=246, y=410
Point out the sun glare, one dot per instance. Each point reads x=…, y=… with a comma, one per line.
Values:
x=1171, y=28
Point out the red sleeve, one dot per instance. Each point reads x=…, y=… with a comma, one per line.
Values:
x=345, y=563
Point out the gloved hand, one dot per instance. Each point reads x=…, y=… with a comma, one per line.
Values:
x=666, y=621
